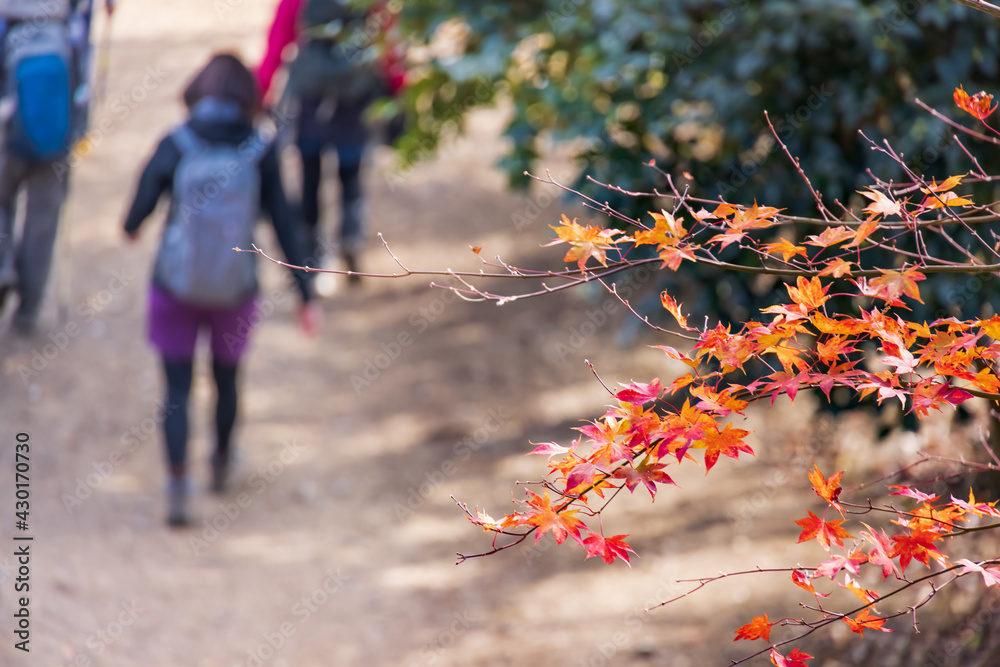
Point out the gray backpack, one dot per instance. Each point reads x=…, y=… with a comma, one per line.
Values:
x=216, y=199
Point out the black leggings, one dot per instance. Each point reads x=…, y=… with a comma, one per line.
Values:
x=350, y=195
x=175, y=426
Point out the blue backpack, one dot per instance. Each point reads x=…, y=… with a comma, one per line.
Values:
x=216, y=201
x=37, y=62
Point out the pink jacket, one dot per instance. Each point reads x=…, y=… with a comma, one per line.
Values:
x=284, y=31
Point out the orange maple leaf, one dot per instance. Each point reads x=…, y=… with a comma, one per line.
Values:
x=666, y=231
x=786, y=248
x=673, y=308
x=863, y=594
x=758, y=628
x=990, y=327
x=809, y=293
x=729, y=441
x=893, y=284
x=548, y=520
x=830, y=349
x=830, y=236
x=586, y=242
x=978, y=105
x=865, y=230
x=945, y=185
x=672, y=256
x=827, y=489
x=837, y=268
x=824, y=532
x=866, y=619
x=945, y=199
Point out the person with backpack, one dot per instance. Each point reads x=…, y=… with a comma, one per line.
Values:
x=44, y=100
x=219, y=171
x=339, y=70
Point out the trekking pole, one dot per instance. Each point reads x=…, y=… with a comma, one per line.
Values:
x=103, y=60
x=64, y=254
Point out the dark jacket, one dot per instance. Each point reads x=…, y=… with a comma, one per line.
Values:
x=158, y=178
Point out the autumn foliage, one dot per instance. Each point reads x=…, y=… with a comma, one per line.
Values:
x=693, y=419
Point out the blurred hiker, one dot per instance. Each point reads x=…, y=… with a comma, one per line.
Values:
x=219, y=171
x=45, y=53
x=338, y=70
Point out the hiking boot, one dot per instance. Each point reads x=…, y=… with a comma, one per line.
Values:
x=351, y=264
x=25, y=326
x=220, y=476
x=178, y=497
x=222, y=471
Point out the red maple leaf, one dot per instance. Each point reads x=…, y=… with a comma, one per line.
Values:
x=647, y=473
x=802, y=581
x=784, y=382
x=978, y=105
x=580, y=477
x=794, y=659
x=608, y=548
x=918, y=545
x=824, y=532
x=919, y=496
x=851, y=563
x=758, y=628
x=842, y=374
x=561, y=524
x=880, y=553
x=640, y=392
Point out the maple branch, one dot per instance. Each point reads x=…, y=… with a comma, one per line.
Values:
x=833, y=617
x=820, y=206
x=985, y=7
x=937, y=114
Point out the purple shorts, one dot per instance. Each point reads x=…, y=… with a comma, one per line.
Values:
x=174, y=327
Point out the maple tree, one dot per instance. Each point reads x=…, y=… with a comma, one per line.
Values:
x=655, y=425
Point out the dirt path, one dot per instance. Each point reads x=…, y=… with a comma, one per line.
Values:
x=337, y=548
